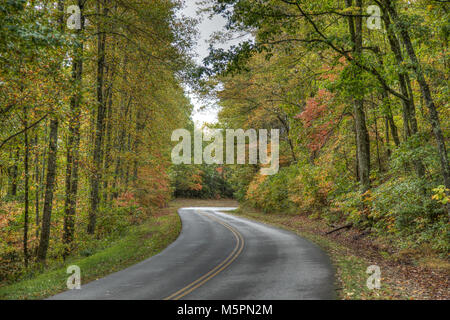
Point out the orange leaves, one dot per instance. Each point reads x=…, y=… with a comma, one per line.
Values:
x=9, y=212
x=154, y=186
x=318, y=118
x=196, y=182
x=316, y=106
x=196, y=187
x=126, y=199
x=331, y=73
x=254, y=193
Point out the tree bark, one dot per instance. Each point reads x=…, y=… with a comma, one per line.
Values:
x=377, y=140
x=124, y=110
x=37, y=181
x=49, y=189
x=26, y=191
x=390, y=119
x=97, y=174
x=108, y=129
x=387, y=137
x=73, y=142
x=410, y=126
x=13, y=173
x=362, y=135
x=51, y=169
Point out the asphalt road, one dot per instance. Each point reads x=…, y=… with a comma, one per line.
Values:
x=221, y=257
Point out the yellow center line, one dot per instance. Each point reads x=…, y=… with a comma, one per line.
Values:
x=222, y=266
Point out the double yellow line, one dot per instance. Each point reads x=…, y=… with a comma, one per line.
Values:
x=222, y=266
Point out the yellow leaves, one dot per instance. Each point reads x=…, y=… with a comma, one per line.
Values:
x=348, y=10
x=254, y=192
x=441, y=195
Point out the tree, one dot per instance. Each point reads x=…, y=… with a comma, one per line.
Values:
x=51, y=168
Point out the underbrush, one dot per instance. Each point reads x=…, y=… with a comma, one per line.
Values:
x=406, y=211
x=114, y=222
x=145, y=234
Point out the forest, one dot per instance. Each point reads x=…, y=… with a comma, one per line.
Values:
x=358, y=89
x=86, y=116
x=361, y=105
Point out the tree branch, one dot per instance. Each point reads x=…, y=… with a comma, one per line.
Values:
x=22, y=131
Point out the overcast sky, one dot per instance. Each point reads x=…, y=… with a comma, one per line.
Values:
x=206, y=28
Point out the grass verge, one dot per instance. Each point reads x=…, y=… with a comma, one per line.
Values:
x=139, y=242
x=351, y=276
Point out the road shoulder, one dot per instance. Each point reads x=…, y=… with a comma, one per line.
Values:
x=351, y=264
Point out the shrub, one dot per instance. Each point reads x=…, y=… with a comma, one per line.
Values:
x=270, y=193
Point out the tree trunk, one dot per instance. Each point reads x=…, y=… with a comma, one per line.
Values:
x=125, y=107
x=26, y=191
x=390, y=119
x=49, y=189
x=377, y=140
x=426, y=93
x=73, y=143
x=37, y=181
x=97, y=174
x=42, y=175
x=108, y=128
x=387, y=137
x=410, y=126
x=140, y=126
x=14, y=172
x=51, y=169
x=362, y=135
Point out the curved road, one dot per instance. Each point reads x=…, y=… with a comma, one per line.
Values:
x=221, y=257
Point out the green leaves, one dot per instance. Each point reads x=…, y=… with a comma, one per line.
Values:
x=441, y=195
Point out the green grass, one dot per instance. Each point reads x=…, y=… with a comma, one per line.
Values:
x=139, y=243
x=351, y=276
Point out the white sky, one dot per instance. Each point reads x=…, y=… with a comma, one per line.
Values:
x=206, y=28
